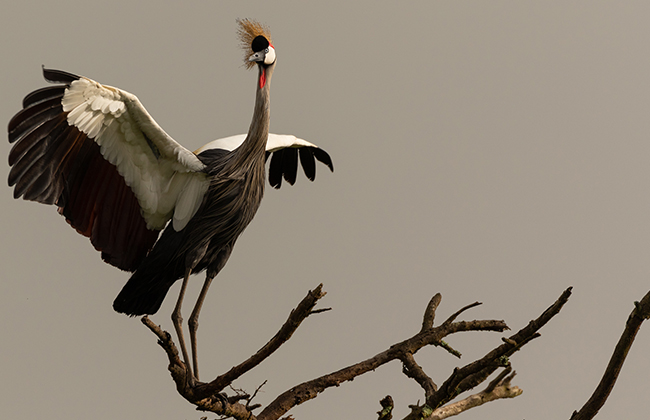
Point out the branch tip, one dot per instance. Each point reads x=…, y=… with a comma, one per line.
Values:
x=430, y=312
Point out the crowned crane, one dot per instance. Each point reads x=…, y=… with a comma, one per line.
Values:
x=119, y=179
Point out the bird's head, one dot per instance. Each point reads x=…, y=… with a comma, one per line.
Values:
x=263, y=51
x=256, y=42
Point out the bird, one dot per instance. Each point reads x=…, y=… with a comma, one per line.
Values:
x=118, y=178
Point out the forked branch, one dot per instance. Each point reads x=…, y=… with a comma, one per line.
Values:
x=473, y=374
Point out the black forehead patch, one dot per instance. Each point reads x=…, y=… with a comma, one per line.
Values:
x=259, y=43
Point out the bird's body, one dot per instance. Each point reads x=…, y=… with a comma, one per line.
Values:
x=205, y=242
x=118, y=178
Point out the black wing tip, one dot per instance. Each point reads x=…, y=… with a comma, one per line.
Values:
x=276, y=169
x=323, y=157
x=308, y=163
x=38, y=97
x=58, y=76
x=284, y=164
x=290, y=165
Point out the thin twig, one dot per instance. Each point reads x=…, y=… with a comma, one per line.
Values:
x=455, y=315
x=450, y=349
x=317, y=311
x=250, y=400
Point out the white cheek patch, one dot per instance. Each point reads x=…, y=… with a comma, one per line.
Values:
x=269, y=58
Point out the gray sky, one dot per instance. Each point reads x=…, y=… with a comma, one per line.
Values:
x=494, y=151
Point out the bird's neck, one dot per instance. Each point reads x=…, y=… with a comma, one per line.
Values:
x=253, y=149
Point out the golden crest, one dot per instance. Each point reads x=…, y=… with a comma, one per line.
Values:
x=247, y=31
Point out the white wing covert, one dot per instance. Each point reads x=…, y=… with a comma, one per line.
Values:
x=114, y=173
x=143, y=153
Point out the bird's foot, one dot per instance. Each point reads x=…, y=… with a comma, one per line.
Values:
x=190, y=380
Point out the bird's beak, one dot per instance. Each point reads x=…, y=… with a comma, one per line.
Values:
x=258, y=56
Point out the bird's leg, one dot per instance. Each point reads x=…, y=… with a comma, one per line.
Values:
x=177, y=320
x=193, y=322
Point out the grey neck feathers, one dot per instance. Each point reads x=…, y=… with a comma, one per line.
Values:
x=252, y=151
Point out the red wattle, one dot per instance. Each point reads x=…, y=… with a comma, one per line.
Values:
x=263, y=78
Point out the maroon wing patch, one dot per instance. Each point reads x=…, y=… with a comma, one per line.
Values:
x=53, y=162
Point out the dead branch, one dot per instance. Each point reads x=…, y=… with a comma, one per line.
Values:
x=209, y=396
x=640, y=313
x=415, y=372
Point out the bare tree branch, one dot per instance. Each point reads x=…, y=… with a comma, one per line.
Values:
x=415, y=372
x=208, y=396
x=640, y=313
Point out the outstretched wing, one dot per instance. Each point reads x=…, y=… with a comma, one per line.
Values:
x=284, y=151
x=96, y=153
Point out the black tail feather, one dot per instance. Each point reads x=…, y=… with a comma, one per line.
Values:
x=142, y=295
x=146, y=289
